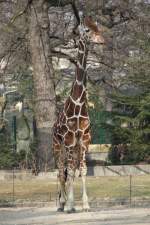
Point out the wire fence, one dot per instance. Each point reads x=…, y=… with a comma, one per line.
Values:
x=26, y=189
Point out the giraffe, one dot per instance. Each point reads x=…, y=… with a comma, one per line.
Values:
x=71, y=131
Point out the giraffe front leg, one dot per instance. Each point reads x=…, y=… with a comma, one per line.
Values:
x=62, y=193
x=83, y=171
x=70, y=191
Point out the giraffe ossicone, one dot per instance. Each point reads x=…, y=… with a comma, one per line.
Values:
x=71, y=131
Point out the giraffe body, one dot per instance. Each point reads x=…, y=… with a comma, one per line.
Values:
x=71, y=133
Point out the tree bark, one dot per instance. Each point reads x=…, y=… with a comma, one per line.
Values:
x=43, y=80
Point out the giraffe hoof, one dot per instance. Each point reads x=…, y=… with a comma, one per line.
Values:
x=60, y=209
x=73, y=210
x=86, y=210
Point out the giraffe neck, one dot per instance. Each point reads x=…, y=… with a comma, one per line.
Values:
x=81, y=63
x=78, y=91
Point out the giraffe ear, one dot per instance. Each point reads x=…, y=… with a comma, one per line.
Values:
x=91, y=24
x=96, y=33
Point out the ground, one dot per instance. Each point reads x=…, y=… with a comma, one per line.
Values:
x=49, y=216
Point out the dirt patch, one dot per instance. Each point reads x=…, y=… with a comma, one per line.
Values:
x=49, y=216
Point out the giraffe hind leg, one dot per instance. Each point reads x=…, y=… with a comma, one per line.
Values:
x=83, y=172
x=70, y=191
x=62, y=179
x=68, y=177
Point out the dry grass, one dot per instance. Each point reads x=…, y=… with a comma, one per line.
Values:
x=29, y=189
x=100, y=187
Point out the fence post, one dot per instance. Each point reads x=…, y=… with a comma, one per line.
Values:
x=130, y=177
x=14, y=151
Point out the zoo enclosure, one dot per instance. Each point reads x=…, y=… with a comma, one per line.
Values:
x=26, y=189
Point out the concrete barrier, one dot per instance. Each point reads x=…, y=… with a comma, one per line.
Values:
x=99, y=148
x=25, y=174
x=124, y=170
x=97, y=156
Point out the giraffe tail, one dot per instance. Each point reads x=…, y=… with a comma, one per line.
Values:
x=66, y=174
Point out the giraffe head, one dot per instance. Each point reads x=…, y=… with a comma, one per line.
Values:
x=89, y=29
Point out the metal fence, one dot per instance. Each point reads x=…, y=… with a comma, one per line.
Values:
x=100, y=135
x=25, y=189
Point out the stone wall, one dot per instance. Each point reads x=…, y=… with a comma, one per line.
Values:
x=124, y=170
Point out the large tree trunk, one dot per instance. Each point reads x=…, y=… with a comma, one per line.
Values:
x=43, y=78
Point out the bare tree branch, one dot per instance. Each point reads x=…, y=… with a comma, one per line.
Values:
x=59, y=3
x=103, y=81
x=62, y=54
x=125, y=15
x=76, y=13
x=21, y=12
x=6, y=1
